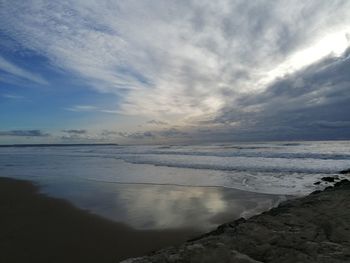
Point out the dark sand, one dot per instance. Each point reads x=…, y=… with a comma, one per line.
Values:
x=37, y=228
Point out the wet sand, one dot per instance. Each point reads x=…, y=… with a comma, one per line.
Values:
x=37, y=228
x=311, y=229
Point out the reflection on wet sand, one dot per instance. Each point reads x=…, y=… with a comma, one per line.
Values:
x=169, y=206
x=164, y=206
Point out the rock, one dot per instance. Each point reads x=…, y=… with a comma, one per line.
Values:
x=316, y=192
x=343, y=183
x=347, y=171
x=328, y=179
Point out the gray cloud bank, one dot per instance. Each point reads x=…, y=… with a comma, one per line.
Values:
x=311, y=104
x=157, y=122
x=76, y=132
x=24, y=133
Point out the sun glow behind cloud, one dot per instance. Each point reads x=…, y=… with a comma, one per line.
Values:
x=332, y=44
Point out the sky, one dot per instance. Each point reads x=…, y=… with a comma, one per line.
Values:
x=99, y=71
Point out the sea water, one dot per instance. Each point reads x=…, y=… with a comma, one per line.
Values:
x=170, y=186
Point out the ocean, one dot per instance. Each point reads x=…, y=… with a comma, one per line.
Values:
x=177, y=186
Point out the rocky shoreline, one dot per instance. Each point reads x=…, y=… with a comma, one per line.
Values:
x=315, y=228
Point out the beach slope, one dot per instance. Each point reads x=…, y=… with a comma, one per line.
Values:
x=315, y=228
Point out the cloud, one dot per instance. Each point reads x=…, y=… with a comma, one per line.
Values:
x=179, y=59
x=17, y=71
x=12, y=96
x=137, y=135
x=82, y=108
x=75, y=131
x=24, y=133
x=109, y=133
x=332, y=124
x=310, y=104
x=165, y=134
x=229, y=69
x=171, y=133
x=78, y=135
x=91, y=108
x=157, y=122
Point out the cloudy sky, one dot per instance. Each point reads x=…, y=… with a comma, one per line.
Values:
x=174, y=71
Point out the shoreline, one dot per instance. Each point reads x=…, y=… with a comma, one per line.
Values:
x=38, y=228
x=157, y=207
x=46, y=229
x=314, y=228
